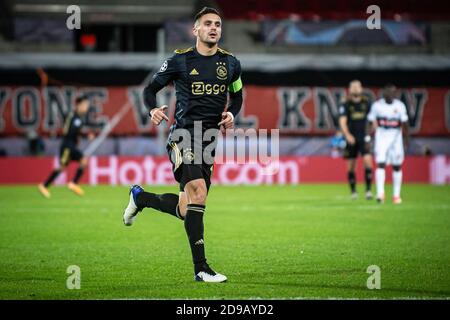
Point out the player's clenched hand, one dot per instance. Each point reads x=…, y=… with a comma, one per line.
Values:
x=158, y=115
x=227, y=120
x=350, y=139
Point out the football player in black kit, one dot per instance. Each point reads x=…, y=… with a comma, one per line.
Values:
x=203, y=76
x=69, y=150
x=352, y=120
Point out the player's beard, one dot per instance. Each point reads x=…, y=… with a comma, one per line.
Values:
x=209, y=42
x=356, y=97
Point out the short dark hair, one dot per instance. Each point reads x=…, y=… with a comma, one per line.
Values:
x=206, y=10
x=389, y=86
x=80, y=99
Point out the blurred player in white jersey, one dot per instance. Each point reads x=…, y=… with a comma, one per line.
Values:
x=390, y=119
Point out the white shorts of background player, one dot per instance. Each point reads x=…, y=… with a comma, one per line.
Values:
x=389, y=146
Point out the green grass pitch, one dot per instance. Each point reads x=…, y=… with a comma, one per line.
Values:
x=306, y=241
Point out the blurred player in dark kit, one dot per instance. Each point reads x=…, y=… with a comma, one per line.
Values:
x=352, y=120
x=69, y=149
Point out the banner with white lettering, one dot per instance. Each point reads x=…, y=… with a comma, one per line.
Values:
x=114, y=170
x=294, y=110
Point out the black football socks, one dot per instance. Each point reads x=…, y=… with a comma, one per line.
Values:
x=78, y=174
x=55, y=173
x=368, y=176
x=352, y=181
x=193, y=224
x=167, y=202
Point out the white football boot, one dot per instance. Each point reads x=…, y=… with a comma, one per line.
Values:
x=208, y=275
x=131, y=211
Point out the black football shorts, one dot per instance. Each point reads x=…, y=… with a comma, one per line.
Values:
x=183, y=166
x=69, y=153
x=352, y=151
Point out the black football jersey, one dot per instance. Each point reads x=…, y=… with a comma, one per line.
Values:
x=72, y=129
x=356, y=114
x=201, y=84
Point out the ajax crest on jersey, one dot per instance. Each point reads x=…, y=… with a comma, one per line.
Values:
x=221, y=73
